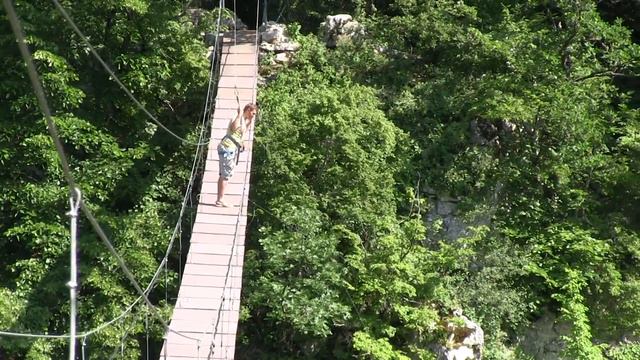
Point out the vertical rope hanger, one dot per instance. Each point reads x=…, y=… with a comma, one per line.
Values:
x=257, y=57
x=146, y=328
x=264, y=14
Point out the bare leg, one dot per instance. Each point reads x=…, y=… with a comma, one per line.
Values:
x=222, y=184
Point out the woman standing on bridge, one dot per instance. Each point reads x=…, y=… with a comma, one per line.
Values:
x=231, y=145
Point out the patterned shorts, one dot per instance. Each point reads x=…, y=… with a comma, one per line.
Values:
x=227, y=161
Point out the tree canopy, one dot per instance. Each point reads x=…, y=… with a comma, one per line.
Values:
x=132, y=173
x=526, y=113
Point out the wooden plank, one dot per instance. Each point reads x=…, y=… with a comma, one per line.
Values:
x=246, y=95
x=222, y=219
x=210, y=347
x=244, y=48
x=200, y=248
x=224, y=327
x=215, y=239
x=206, y=303
x=234, y=280
x=239, y=59
x=214, y=259
x=237, y=82
x=224, y=115
x=207, y=269
x=238, y=70
x=208, y=292
x=228, y=104
x=222, y=229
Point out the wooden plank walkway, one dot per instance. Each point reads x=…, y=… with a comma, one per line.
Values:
x=208, y=301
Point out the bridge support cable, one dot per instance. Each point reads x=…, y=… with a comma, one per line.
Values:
x=78, y=205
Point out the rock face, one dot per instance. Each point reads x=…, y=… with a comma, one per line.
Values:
x=233, y=22
x=543, y=340
x=275, y=40
x=490, y=133
x=450, y=224
x=338, y=28
x=465, y=339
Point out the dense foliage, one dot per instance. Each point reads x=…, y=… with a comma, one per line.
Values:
x=526, y=112
x=132, y=174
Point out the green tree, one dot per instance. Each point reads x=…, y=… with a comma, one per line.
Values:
x=132, y=173
x=522, y=100
x=527, y=108
x=333, y=266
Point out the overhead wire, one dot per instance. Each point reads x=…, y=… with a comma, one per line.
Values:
x=283, y=6
x=115, y=78
x=33, y=75
x=39, y=91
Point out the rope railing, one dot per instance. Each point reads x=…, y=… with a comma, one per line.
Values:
x=75, y=191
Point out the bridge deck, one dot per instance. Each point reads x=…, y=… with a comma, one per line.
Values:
x=208, y=301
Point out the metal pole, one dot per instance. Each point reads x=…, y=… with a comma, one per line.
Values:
x=84, y=346
x=73, y=283
x=146, y=327
x=264, y=13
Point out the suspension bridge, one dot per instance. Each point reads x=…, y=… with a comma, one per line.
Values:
x=205, y=316
x=206, y=313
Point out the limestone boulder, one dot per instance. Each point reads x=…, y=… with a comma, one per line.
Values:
x=338, y=28
x=273, y=33
x=465, y=339
x=276, y=41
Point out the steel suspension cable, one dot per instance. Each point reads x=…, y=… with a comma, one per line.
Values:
x=117, y=79
x=34, y=78
x=53, y=132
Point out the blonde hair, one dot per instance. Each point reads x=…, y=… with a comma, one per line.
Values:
x=250, y=106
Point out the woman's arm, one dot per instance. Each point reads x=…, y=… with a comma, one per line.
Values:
x=235, y=123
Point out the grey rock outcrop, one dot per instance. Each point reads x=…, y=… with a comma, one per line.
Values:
x=339, y=28
x=448, y=223
x=233, y=22
x=465, y=339
x=276, y=41
x=543, y=340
